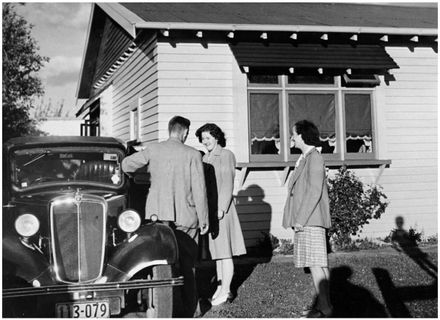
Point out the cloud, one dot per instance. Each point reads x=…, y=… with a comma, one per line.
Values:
x=71, y=15
x=82, y=15
x=63, y=78
x=60, y=29
x=61, y=70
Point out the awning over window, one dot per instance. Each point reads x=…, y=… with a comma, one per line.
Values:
x=311, y=55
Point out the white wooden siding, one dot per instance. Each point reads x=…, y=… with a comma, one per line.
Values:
x=196, y=82
x=205, y=85
x=106, y=112
x=410, y=133
x=260, y=203
x=135, y=84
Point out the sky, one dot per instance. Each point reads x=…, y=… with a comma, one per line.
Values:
x=60, y=30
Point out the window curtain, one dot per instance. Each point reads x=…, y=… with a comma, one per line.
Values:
x=264, y=116
x=318, y=108
x=358, y=123
x=358, y=116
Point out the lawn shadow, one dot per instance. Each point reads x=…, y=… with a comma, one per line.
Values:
x=394, y=297
x=350, y=300
x=206, y=278
x=255, y=217
x=403, y=242
x=242, y=272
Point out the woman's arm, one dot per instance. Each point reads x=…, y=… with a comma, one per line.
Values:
x=312, y=187
x=227, y=173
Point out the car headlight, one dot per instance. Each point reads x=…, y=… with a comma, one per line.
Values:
x=27, y=225
x=129, y=221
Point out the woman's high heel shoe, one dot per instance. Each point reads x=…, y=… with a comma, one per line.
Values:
x=222, y=299
x=217, y=291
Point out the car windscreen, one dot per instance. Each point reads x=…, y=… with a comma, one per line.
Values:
x=38, y=166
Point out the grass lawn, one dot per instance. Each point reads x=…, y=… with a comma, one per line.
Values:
x=369, y=283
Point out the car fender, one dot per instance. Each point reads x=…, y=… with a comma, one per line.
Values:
x=25, y=262
x=152, y=244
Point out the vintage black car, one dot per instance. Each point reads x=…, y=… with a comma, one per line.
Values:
x=73, y=246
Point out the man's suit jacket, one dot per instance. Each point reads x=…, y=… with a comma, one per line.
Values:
x=178, y=191
x=307, y=194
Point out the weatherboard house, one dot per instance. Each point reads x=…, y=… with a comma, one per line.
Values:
x=365, y=74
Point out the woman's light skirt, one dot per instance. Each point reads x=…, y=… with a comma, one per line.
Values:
x=310, y=248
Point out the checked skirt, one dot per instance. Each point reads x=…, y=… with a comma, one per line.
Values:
x=310, y=248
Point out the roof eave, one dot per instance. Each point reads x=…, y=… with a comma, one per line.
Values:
x=124, y=17
x=132, y=23
x=287, y=28
x=81, y=72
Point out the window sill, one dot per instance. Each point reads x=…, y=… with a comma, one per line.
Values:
x=245, y=167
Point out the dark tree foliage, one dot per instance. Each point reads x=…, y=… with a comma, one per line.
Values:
x=352, y=205
x=20, y=83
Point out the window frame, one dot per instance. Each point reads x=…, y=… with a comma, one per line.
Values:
x=361, y=155
x=328, y=156
x=339, y=91
x=315, y=86
x=266, y=85
x=266, y=157
x=135, y=124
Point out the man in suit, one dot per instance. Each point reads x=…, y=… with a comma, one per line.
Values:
x=177, y=196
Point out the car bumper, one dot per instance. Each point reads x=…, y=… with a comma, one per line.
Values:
x=82, y=289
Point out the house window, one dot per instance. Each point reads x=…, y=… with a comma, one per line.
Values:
x=91, y=126
x=358, y=128
x=134, y=125
x=318, y=108
x=265, y=123
x=343, y=115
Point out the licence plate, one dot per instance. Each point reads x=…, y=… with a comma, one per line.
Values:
x=95, y=309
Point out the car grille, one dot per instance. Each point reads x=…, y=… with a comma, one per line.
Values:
x=78, y=226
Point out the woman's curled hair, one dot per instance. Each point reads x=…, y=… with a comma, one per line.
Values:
x=214, y=131
x=309, y=132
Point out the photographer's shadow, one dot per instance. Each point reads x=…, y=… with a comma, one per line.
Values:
x=402, y=241
x=350, y=300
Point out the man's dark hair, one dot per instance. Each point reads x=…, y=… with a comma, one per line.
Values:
x=309, y=132
x=214, y=131
x=178, y=124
